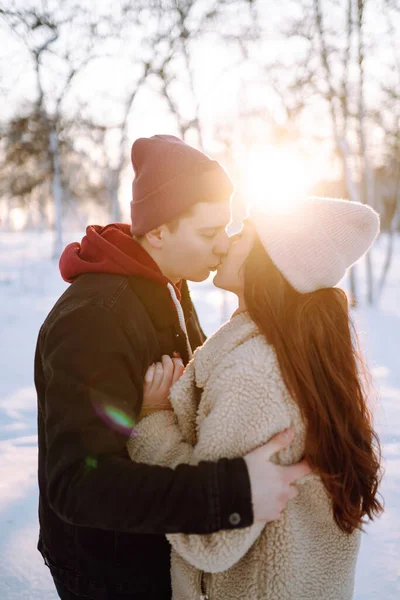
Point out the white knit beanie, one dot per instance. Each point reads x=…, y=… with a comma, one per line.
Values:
x=316, y=241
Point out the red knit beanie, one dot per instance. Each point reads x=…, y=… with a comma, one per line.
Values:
x=170, y=177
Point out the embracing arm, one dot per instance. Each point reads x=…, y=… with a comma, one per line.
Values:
x=90, y=384
x=236, y=425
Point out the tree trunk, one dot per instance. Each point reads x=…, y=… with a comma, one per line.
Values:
x=370, y=279
x=367, y=183
x=57, y=193
x=387, y=263
x=353, y=287
x=116, y=216
x=7, y=220
x=353, y=196
x=393, y=229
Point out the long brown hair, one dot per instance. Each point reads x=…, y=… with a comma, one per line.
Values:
x=323, y=370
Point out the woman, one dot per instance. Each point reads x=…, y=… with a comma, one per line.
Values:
x=285, y=359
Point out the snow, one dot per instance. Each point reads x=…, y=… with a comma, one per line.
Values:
x=29, y=286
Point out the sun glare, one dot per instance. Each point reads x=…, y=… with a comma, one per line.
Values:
x=17, y=218
x=276, y=178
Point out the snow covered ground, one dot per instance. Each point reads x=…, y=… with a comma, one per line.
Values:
x=29, y=285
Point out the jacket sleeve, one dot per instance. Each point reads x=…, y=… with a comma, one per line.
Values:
x=244, y=415
x=158, y=440
x=92, y=382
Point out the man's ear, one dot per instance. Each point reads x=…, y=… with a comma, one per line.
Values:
x=155, y=237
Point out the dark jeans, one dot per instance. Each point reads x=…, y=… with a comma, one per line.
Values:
x=65, y=594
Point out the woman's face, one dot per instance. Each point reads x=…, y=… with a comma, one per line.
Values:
x=230, y=274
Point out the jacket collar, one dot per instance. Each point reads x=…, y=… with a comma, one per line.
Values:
x=185, y=393
x=232, y=334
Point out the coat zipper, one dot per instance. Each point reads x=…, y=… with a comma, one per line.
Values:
x=202, y=585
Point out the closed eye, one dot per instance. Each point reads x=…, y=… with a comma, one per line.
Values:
x=211, y=233
x=236, y=237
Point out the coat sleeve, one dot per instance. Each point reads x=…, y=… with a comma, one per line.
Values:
x=246, y=412
x=158, y=440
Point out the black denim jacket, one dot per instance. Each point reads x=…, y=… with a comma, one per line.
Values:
x=102, y=517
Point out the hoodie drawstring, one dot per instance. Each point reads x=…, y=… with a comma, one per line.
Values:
x=181, y=317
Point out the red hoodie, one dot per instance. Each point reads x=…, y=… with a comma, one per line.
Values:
x=113, y=250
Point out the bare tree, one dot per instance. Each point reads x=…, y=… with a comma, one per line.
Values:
x=45, y=36
x=162, y=42
x=388, y=120
x=367, y=195
x=192, y=24
x=331, y=60
x=115, y=176
x=328, y=70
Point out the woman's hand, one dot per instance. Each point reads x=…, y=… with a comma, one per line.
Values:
x=159, y=379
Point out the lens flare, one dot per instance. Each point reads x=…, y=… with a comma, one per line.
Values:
x=91, y=462
x=116, y=419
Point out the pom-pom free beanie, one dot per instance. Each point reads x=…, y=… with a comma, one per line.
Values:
x=317, y=240
x=170, y=177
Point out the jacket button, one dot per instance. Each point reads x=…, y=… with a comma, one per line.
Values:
x=234, y=519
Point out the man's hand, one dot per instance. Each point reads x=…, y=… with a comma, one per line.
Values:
x=159, y=379
x=272, y=485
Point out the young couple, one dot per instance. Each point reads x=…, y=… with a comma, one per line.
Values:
x=252, y=477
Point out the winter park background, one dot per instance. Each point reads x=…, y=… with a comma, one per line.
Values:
x=301, y=96
x=30, y=283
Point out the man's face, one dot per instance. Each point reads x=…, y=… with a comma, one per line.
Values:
x=198, y=244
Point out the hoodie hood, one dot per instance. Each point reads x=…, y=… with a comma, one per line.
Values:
x=112, y=250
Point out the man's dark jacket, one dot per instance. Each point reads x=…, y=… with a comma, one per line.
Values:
x=102, y=516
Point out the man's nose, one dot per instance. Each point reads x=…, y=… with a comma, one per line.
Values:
x=222, y=244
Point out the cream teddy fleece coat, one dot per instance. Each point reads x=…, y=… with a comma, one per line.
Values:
x=244, y=402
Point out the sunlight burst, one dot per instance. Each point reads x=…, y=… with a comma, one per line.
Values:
x=277, y=178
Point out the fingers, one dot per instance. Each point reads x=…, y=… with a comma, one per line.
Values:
x=293, y=492
x=164, y=373
x=178, y=369
x=278, y=442
x=168, y=368
x=288, y=493
x=158, y=376
x=148, y=378
x=294, y=472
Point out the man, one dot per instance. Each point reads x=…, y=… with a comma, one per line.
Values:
x=102, y=517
